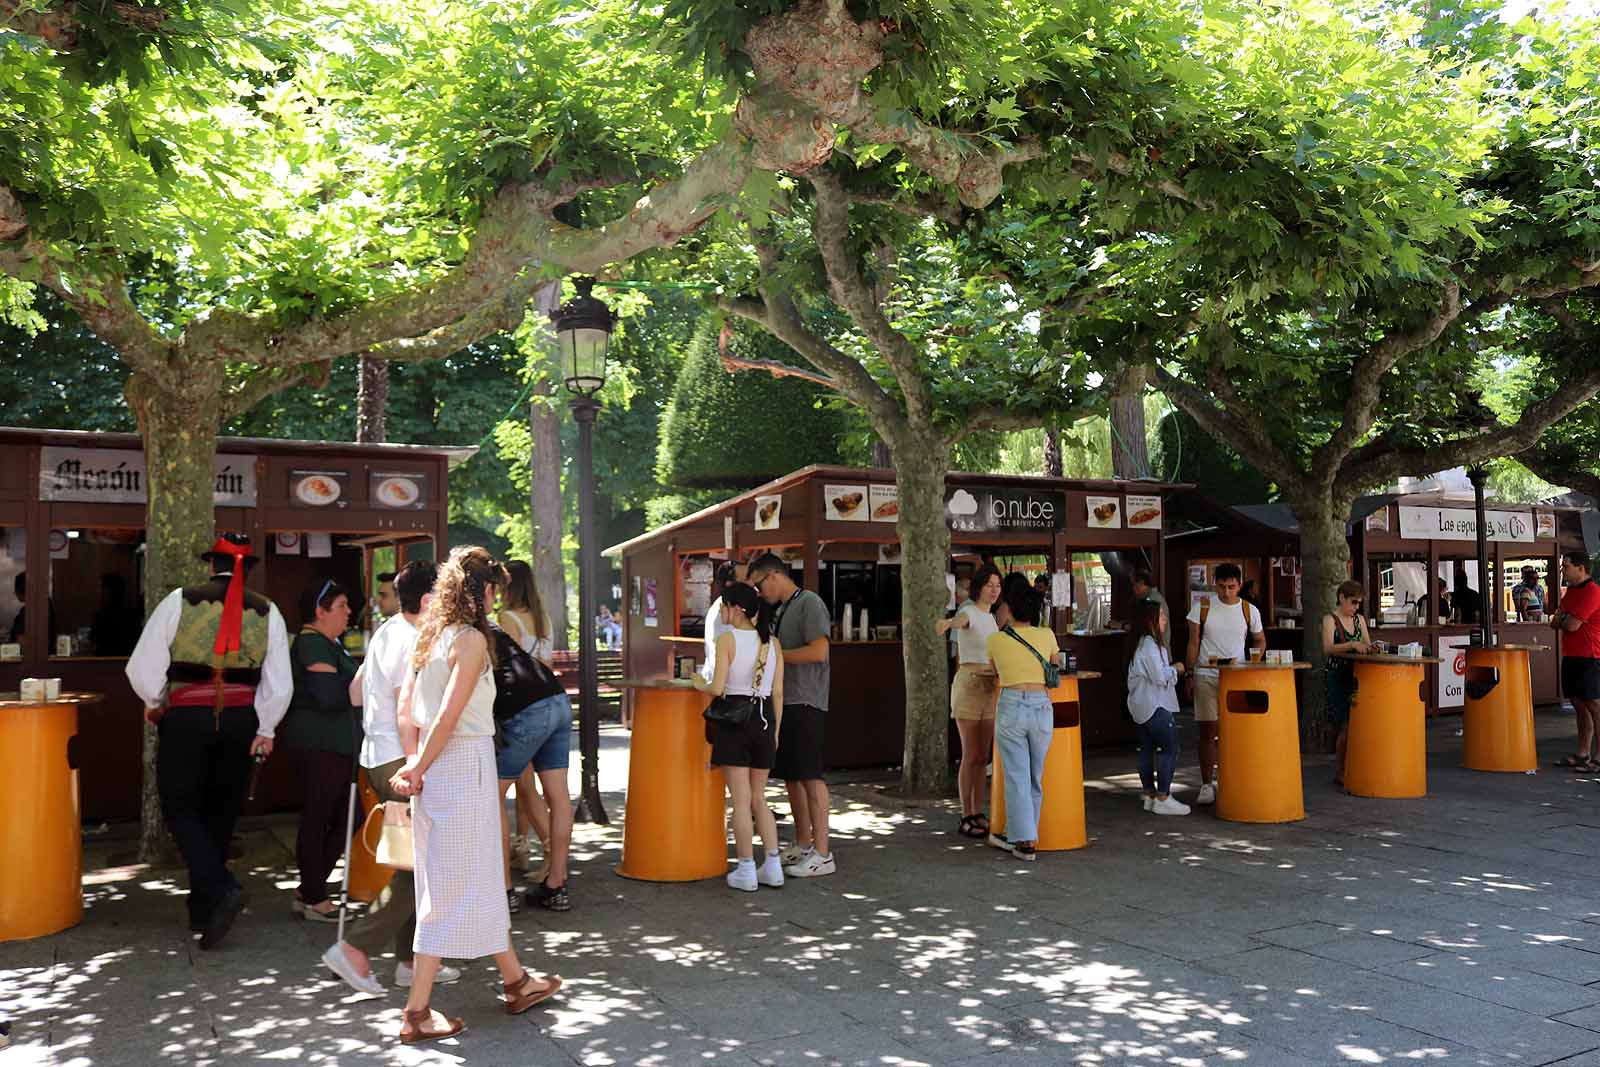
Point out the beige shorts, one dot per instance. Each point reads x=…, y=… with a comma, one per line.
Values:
x=972, y=695
x=1205, y=698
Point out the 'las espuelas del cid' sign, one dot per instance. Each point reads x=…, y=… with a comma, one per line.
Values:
x=1461, y=524
x=988, y=510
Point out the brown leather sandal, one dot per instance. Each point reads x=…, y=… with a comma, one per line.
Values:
x=519, y=999
x=414, y=1028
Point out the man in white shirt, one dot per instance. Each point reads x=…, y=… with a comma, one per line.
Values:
x=392, y=919
x=1218, y=630
x=212, y=667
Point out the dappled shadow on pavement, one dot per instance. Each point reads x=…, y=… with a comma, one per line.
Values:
x=1459, y=929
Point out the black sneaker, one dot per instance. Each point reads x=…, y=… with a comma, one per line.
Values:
x=513, y=901
x=999, y=841
x=550, y=899
x=1024, y=851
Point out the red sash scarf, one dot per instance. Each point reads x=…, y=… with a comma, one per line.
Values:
x=233, y=603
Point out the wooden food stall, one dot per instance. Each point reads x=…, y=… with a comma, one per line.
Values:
x=1397, y=541
x=72, y=509
x=836, y=527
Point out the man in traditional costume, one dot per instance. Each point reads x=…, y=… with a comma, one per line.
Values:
x=212, y=667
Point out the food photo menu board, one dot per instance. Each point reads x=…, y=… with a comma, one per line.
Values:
x=398, y=490
x=845, y=503
x=319, y=489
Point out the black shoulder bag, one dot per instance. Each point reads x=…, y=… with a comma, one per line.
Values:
x=1052, y=673
x=735, y=710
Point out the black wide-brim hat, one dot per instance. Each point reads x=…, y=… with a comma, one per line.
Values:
x=216, y=555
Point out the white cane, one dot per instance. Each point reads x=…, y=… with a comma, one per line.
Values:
x=349, y=832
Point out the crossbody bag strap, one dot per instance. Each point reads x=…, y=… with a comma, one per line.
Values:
x=1044, y=666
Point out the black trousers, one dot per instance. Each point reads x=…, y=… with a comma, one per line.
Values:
x=324, y=813
x=202, y=772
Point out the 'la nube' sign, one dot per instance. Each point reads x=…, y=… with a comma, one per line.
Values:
x=988, y=510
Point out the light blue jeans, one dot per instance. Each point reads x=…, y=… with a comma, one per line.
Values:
x=1023, y=726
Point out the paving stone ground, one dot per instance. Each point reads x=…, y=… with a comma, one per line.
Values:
x=1459, y=929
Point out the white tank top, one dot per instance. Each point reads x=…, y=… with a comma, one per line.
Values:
x=427, y=695
x=742, y=671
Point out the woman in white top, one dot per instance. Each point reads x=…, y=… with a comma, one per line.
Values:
x=446, y=718
x=522, y=615
x=1153, y=704
x=973, y=695
x=749, y=664
x=727, y=574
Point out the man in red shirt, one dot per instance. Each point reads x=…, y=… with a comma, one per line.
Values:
x=1578, y=622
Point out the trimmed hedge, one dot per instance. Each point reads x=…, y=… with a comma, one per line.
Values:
x=722, y=430
x=1206, y=462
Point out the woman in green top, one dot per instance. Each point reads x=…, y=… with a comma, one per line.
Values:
x=1343, y=630
x=324, y=729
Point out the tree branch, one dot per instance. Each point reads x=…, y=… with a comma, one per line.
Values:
x=1380, y=467
x=1366, y=384
x=918, y=207
x=733, y=364
x=831, y=229
x=261, y=383
x=1558, y=470
x=1117, y=163
x=1239, y=429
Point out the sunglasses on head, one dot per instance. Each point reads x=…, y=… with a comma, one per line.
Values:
x=323, y=591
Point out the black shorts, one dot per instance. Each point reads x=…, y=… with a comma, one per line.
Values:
x=750, y=744
x=800, y=744
x=1580, y=677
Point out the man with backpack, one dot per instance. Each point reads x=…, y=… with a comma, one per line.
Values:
x=1218, y=630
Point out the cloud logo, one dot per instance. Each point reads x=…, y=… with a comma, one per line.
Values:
x=962, y=502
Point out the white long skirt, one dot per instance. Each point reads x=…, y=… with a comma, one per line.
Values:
x=461, y=899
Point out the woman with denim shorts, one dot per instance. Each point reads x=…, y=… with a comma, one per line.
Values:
x=535, y=728
x=1024, y=721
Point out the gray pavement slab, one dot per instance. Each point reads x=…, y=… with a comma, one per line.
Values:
x=1458, y=929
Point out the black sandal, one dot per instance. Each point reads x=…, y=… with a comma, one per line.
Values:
x=981, y=821
x=1573, y=762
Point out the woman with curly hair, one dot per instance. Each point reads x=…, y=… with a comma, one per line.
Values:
x=446, y=720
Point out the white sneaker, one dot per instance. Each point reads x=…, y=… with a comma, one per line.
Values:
x=794, y=854
x=1149, y=801
x=1207, y=794
x=770, y=873
x=340, y=965
x=811, y=866
x=742, y=878
x=1170, y=806
x=403, y=975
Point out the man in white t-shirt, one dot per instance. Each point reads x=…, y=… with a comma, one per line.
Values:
x=392, y=919
x=1219, y=630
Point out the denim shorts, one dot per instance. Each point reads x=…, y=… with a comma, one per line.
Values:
x=540, y=733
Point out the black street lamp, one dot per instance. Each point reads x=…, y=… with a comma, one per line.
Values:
x=1478, y=475
x=583, y=329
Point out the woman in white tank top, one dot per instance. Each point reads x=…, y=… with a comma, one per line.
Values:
x=446, y=719
x=749, y=664
x=973, y=695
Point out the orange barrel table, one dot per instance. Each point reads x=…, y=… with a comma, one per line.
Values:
x=674, y=826
x=1497, y=721
x=41, y=880
x=1258, y=756
x=1061, y=820
x=1386, y=751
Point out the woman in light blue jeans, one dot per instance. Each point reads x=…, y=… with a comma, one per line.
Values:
x=1024, y=720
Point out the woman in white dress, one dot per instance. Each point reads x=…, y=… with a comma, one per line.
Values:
x=522, y=615
x=447, y=731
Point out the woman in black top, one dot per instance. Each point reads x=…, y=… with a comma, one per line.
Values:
x=324, y=729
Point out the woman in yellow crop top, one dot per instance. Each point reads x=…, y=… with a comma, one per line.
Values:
x=1024, y=721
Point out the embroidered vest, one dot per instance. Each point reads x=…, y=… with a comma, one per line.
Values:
x=192, y=657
